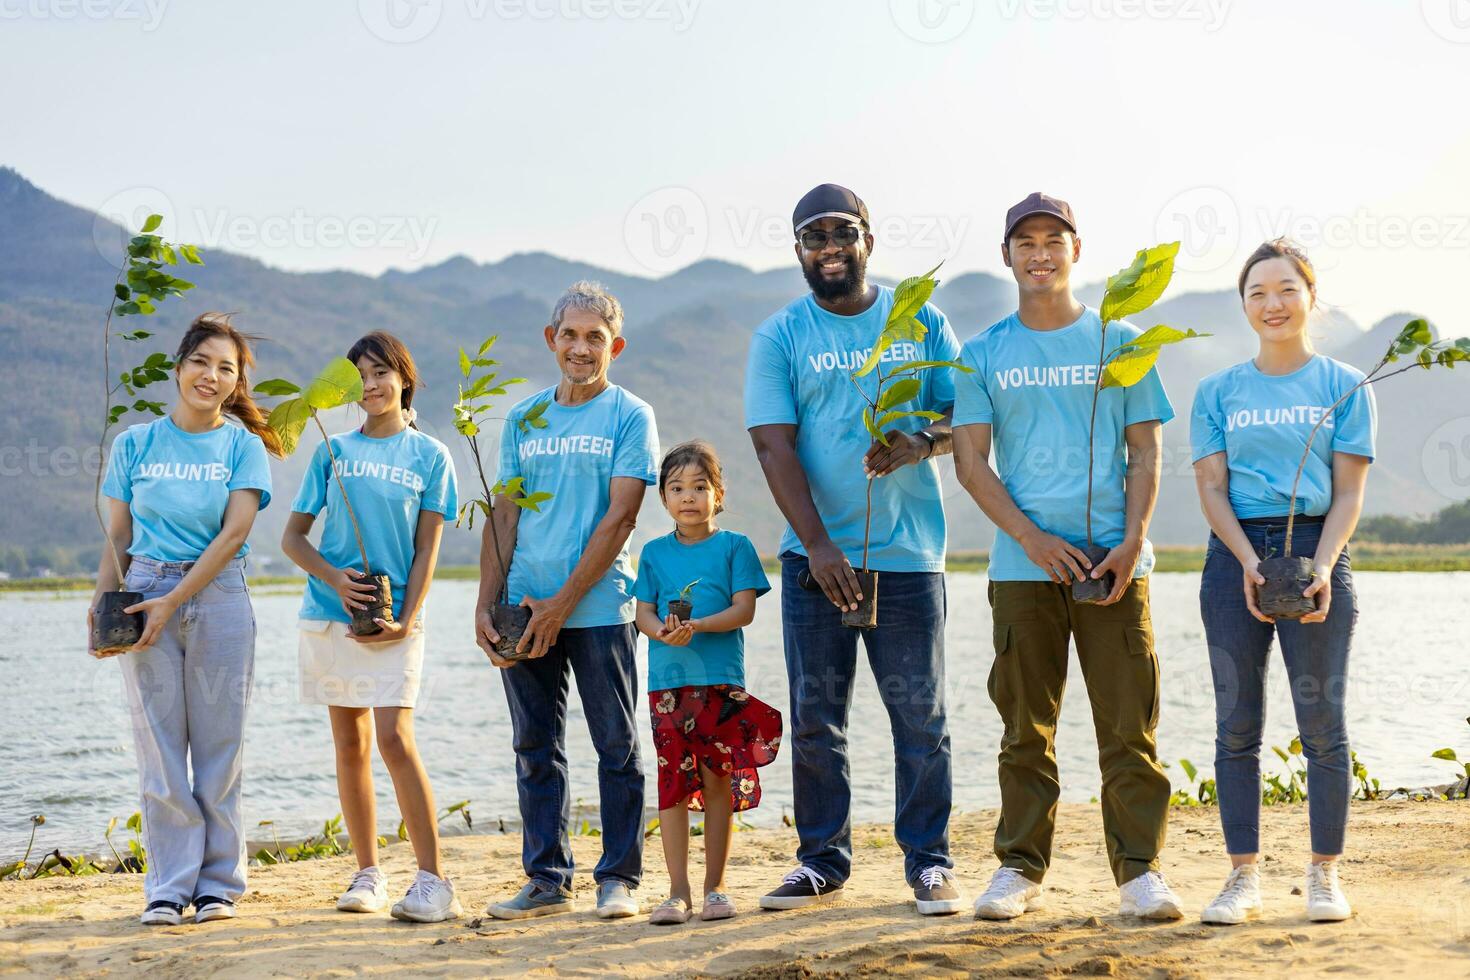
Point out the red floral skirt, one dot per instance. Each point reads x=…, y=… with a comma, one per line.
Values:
x=719, y=725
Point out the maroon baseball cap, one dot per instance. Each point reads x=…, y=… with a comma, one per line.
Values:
x=1039, y=203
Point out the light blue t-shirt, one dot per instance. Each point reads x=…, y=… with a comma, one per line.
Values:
x=388, y=481
x=1261, y=423
x=798, y=374
x=1034, y=387
x=723, y=563
x=575, y=459
x=177, y=484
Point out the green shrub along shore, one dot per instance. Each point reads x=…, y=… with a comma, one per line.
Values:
x=1367, y=557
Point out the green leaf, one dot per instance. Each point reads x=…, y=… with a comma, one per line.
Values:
x=888, y=418
x=274, y=387
x=535, y=411
x=508, y=488
x=899, y=392
x=911, y=295
x=1136, y=288
x=1130, y=363
x=1448, y=754
x=120, y=291
x=465, y=367
x=150, y=225
x=191, y=254
x=873, y=429
x=289, y=419
x=489, y=343
x=1190, y=772
x=338, y=384
x=534, y=501
x=884, y=341
x=926, y=365
x=1295, y=748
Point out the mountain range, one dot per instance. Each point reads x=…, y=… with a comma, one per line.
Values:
x=687, y=332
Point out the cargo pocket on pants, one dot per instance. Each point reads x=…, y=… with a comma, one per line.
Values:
x=1141, y=645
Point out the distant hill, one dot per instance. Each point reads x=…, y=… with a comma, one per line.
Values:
x=688, y=335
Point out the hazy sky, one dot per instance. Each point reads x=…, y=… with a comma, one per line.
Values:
x=646, y=134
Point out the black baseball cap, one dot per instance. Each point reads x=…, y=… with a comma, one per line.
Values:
x=1039, y=203
x=828, y=201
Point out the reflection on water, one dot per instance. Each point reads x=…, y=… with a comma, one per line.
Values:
x=66, y=748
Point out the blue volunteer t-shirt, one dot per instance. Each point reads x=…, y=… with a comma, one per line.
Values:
x=177, y=484
x=388, y=481
x=1034, y=387
x=1261, y=423
x=723, y=563
x=575, y=459
x=798, y=374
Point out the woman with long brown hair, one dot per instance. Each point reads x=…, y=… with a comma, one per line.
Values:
x=400, y=482
x=183, y=493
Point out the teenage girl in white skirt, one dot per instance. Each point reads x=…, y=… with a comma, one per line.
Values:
x=401, y=485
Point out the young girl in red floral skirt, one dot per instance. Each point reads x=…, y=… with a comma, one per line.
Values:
x=708, y=733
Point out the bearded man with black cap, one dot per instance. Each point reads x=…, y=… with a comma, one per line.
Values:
x=803, y=414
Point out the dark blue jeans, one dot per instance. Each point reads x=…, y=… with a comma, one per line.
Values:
x=602, y=657
x=1316, y=656
x=906, y=654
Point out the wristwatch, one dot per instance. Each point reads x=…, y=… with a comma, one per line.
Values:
x=928, y=437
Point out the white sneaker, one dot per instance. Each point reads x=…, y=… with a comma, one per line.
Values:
x=162, y=914
x=1325, y=900
x=368, y=892
x=1149, y=897
x=615, y=900
x=429, y=899
x=1239, y=900
x=1010, y=893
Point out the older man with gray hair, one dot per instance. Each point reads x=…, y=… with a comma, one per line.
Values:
x=596, y=454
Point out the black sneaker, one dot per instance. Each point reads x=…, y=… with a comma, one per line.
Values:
x=207, y=908
x=936, y=892
x=801, y=888
x=162, y=914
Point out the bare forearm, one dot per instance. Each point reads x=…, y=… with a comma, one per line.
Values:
x=943, y=434
x=791, y=490
x=737, y=616
x=1338, y=528
x=647, y=620
x=1222, y=520
x=425, y=558
x=1140, y=491
x=299, y=549
x=602, y=549
x=984, y=486
x=223, y=549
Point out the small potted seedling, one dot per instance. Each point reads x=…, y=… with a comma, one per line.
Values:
x=1128, y=293
x=338, y=384
x=681, y=608
x=883, y=406
x=470, y=410
x=141, y=285
x=1288, y=576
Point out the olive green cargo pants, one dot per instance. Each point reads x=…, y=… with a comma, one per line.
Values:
x=1033, y=622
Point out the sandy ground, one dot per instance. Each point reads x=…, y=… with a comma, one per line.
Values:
x=1408, y=877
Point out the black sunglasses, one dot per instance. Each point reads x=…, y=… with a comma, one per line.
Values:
x=814, y=238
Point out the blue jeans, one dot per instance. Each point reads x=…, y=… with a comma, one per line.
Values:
x=906, y=654
x=603, y=659
x=1316, y=656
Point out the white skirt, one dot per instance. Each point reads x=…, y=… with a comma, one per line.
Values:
x=339, y=671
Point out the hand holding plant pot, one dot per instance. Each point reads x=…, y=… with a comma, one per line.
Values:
x=1129, y=292
x=141, y=285
x=682, y=608
x=338, y=384
x=472, y=408
x=891, y=391
x=1291, y=589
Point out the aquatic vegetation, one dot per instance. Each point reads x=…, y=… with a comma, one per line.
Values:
x=1285, y=787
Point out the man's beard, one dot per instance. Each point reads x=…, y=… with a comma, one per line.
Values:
x=850, y=285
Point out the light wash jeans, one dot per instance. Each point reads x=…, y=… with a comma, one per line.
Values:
x=187, y=695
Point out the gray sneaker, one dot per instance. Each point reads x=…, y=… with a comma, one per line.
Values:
x=535, y=899
x=936, y=892
x=615, y=900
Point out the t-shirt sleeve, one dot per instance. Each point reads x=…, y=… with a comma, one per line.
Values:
x=636, y=453
x=311, y=497
x=1146, y=401
x=943, y=346
x=1206, y=438
x=251, y=468
x=119, y=482
x=770, y=396
x=745, y=569
x=972, y=403
x=441, y=495
x=645, y=587
x=508, y=463
x=1355, y=426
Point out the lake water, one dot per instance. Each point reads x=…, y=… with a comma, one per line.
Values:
x=66, y=749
